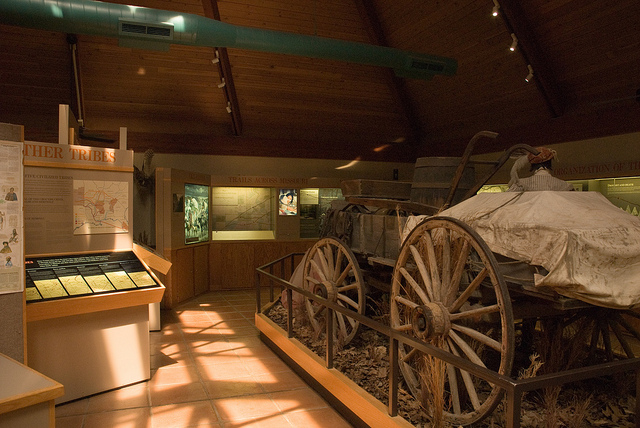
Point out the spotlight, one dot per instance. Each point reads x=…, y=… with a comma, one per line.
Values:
x=496, y=6
x=217, y=58
x=221, y=84
x=514, y=43
x=228, y=107
x=530, y=75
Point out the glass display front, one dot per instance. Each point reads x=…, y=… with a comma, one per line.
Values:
x=243, y=212
x=314, y=204
x=196, y=213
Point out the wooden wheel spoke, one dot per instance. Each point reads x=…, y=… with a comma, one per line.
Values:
x=621, y=339
x=404, y=327
x=475, y=313
x=352, y=286
x=480, y=337
x=317, y=313
x=328, y=255
x=468, y=382
x=426, y=278
x=466, y=349
x=341, y=324
x=323, y=264
x=348, y=301
x=464, y=296
x=410, y=355
x=405, y=302
x=446, y=265
x=453, y=388
x=339, y=258
x=453, y=385
x=312, y=280
x=433, y=262
x=606, y=339
x=340, y=279
x=458, y=269
x=416, y=287
x=624, y=323
x=317, y=270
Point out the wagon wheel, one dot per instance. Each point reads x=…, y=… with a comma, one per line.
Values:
x=447, y=290
x=602, y=333
x=332, y=272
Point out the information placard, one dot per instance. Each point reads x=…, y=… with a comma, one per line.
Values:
x=59, y=277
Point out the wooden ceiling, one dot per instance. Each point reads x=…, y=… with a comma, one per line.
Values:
x=585, y=56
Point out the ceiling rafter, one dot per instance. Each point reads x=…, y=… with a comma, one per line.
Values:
x=518, y=24
x=224, y=68
x=397, y=85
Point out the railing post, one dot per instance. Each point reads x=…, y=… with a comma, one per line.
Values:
x=271, y=284
x=329, y=338
x=258, y=292
x=289, y=313
x=513, y=410
x=637, y=415
x=393, y=376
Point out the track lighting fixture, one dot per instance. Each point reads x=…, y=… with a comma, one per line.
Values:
x=228, y=107
x=216, y=59
x=496, y=6
x=514, y=43
x=221, y=84
x=530, y=75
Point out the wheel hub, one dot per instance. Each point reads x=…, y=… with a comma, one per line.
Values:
x=430, y=320
x=326, y=290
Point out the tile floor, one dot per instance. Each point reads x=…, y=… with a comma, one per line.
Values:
x=209, y=368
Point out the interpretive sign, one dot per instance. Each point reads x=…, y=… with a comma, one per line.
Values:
x=11, y=188
x=58, y=277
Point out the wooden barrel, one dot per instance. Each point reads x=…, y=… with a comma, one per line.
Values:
x=433, y=176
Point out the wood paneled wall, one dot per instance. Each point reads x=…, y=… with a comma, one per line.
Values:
x=233, y=264
x=223, y=265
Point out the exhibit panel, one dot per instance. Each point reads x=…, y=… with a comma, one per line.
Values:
x=88, y=295
x=12, y=324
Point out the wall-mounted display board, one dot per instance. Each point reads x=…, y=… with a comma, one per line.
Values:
x=59, y=277
x=77, y=198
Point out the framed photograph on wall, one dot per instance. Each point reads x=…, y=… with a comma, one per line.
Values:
x=288, y=202
x=196, y=213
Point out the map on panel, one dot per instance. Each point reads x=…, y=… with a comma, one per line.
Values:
x=100, y=207
x=241, y=208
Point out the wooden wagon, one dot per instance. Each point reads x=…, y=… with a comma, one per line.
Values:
x=448, y=287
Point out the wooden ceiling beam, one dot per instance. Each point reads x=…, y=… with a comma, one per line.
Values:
x=518, y=24
x=397, y=85
x=211, y=11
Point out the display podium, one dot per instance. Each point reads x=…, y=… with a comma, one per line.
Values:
x=88, y=320
x=26, y=396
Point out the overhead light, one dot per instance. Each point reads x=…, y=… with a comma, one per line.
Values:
x=530, y=75
x=216, y=59
x=496, y=6
x=221, y=84
x=514, y=43
x=228, y=107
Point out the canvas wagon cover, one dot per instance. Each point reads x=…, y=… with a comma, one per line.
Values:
x=590, y=247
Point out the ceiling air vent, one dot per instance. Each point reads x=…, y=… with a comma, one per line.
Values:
x=148, y=30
